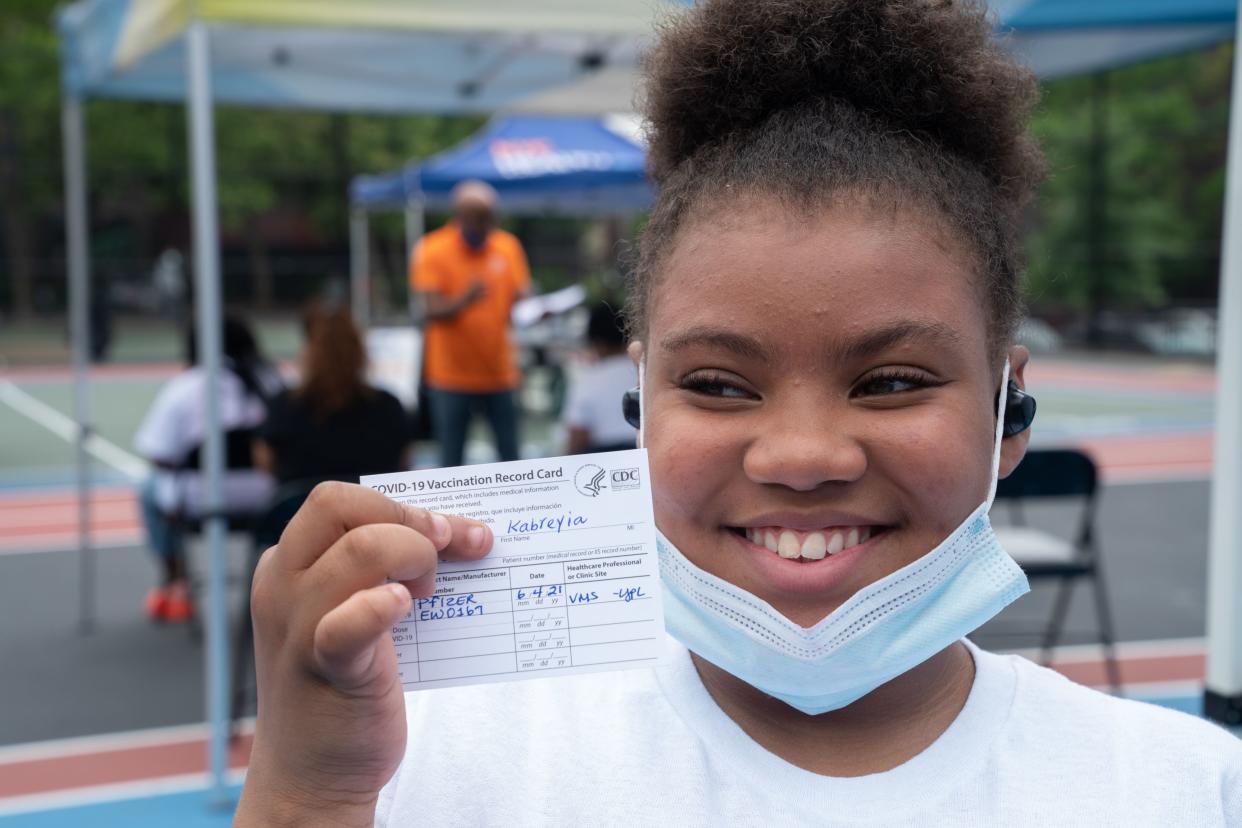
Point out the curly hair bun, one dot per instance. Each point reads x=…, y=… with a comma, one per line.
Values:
x=929, y=68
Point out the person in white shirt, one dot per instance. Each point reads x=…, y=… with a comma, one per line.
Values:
x=170, y=437
x=822, y=315
x=592, y=416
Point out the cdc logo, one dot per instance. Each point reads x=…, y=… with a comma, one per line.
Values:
x=624, y=478
x=589, y=480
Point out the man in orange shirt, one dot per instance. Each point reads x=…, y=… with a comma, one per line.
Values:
x=468, y=274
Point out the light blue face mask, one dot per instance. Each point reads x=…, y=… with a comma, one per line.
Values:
x=882, y=631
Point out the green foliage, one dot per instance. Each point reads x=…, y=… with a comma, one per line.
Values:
x=269, y=162
x=1164, y=181
x=1164, y=162
x=29, y=104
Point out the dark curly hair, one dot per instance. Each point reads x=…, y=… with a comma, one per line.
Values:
x=896, y=103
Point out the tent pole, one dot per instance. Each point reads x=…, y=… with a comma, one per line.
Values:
x=358, y=266
x=207, y=300
x=80, y=338
x=415, y=221
x=1222, y=699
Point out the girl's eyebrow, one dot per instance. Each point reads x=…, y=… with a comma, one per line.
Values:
x=868, y=344
x=904, y=332
x=739, y=344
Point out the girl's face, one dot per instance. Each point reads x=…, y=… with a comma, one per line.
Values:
x=819, y=399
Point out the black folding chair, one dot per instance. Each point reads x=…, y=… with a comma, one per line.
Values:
x=265, y=532
x=1048, y=474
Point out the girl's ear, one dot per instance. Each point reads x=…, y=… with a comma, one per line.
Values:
x=635, y=350
x=1013, y=449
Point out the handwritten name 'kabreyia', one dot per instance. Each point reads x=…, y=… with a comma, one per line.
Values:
x=545, y=523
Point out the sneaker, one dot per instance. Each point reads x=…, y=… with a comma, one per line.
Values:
x=156, y=603
x=179, y=608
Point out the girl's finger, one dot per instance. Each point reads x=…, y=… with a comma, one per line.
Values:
x=333, y=509
x=363, y=558
x=346, y=639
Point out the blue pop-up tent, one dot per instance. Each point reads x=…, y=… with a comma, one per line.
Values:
x=538, y=164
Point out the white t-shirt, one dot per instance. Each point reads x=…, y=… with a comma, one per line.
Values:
x=174, y=426
x=594, y=401
x=650, y=747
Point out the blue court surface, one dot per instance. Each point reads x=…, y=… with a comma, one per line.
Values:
x=184, y=809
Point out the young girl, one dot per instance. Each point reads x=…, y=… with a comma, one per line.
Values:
x=822, y=319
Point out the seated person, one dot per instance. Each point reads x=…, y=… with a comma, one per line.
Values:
x=592, y=415
x=333, y=425
x=170, y=437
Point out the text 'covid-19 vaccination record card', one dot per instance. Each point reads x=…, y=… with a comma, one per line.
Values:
x=572, y=584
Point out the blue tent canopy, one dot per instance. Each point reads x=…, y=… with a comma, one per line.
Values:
x=538, y=164
x=1066, y=37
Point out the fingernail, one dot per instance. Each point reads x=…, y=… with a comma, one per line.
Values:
x=440, y=525
x=475, y=537
x=399, y=591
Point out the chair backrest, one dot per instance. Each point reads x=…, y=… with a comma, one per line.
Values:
x=238, y=452
x=1050, y=473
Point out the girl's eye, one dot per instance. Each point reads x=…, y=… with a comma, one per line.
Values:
x=884, y=383
x=711, y=384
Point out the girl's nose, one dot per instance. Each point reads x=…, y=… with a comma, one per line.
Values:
x=803, y=447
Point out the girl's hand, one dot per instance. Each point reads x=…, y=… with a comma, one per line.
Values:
x=331, y=724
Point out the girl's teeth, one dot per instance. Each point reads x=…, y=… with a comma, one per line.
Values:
x=789, y=546
x=814, y=547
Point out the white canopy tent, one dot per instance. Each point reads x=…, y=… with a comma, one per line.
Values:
x=365, y=55
x=483, y=55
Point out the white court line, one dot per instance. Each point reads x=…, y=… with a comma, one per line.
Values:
x=1146, y=691
x=1195, y=475
x=47, y=544
x=100, y=794
x=1158, y=648
x=106, y=742
x=67, y=429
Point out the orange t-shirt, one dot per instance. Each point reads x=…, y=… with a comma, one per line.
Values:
x=472, y=351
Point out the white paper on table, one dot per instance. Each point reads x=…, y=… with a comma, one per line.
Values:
x=572, y=584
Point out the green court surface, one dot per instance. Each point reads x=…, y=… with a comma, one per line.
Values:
x=117, y=407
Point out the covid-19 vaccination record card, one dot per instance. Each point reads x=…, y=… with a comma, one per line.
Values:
x=571, y=585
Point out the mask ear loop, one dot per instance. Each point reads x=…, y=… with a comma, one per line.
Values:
x=642, y=415
x=1000, y=432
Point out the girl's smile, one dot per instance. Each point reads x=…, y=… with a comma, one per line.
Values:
x=809, y=562
x=820, y=394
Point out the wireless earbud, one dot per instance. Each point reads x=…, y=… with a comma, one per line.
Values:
x=630, y=409
x=1019, y=410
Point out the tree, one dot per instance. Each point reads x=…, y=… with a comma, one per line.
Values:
x=29, y=124
x=1163, y=170
x=267, y=161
